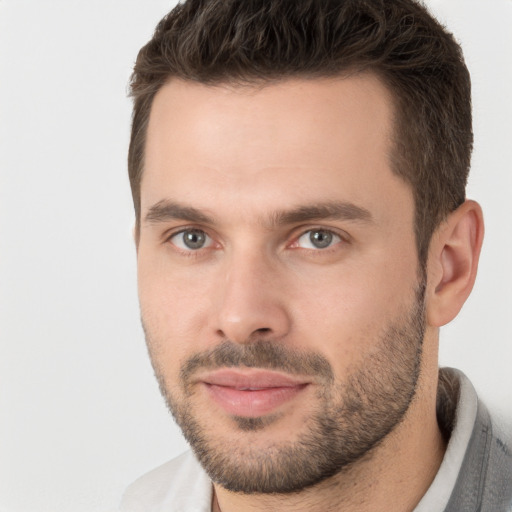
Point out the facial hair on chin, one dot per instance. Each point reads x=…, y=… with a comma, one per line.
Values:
x=349, y=420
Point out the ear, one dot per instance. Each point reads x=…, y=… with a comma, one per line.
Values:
x=453, y=261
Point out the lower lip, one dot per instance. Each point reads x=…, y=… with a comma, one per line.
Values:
x=252, y=404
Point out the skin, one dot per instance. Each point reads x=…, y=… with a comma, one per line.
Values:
x=238, y=155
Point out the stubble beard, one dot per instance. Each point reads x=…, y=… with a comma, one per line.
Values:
x=350, y=420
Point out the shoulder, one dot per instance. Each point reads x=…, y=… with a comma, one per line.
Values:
x=180, y=485
x=485, y=478
x=476, y=472
x=497, y=485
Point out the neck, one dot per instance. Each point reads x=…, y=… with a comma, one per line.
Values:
x=394, y=476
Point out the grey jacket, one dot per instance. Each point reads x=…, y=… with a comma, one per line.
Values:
x=484, y=483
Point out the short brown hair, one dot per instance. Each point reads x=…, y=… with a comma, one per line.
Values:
x=250, y=41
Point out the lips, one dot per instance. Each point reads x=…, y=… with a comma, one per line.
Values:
x=251, y=393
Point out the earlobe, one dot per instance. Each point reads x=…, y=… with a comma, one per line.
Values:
x=453, y=262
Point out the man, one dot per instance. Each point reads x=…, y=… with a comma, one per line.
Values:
x=298, y=173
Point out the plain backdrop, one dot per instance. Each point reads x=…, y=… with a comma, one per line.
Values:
x=80, y=413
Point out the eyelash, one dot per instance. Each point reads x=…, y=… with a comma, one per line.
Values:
x=344, y=239
x=183, y=252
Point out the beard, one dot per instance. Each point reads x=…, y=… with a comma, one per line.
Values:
x=350, y=418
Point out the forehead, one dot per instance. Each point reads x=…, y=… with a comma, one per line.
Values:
x=293, y=141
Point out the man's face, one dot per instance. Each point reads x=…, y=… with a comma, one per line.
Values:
x=278, y=276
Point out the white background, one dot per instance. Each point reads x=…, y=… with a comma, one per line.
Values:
x=80, y=413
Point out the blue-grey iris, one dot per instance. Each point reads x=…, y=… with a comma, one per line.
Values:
x=194, y=238
x=320, y=239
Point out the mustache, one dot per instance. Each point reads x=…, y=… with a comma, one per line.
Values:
x=266, y=354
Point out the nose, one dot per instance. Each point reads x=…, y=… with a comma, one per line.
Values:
x=250, y=300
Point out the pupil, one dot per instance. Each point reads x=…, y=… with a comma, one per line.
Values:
x=194, y=239
x=321, y=239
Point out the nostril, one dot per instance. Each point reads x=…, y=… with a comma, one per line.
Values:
x=263, y=330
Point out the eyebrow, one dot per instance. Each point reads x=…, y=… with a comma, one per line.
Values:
x=167, y=210
x=332, y=210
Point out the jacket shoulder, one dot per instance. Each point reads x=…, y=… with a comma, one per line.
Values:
x=498, y=484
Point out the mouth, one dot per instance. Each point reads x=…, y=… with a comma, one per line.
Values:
x=251, y=393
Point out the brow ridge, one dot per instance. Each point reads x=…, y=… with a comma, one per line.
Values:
x=331, y=210
x=167, y=210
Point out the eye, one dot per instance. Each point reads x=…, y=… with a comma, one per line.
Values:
x=191, y=240
x=318, y=239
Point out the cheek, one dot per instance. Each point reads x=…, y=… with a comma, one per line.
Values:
x=344, y=313
x=173, y=309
